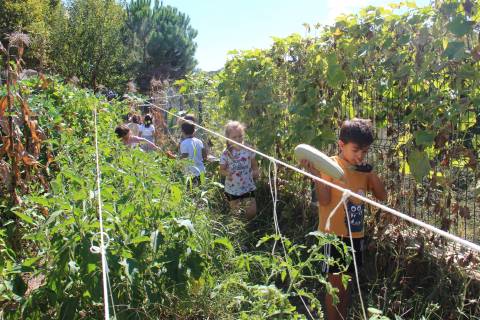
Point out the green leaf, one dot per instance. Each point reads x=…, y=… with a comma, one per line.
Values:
x=223, y=242
x=459, y=26
x=140, y=239
x=24, y=217
x=419, y=164
x=30, y=261
x=455, y=50
x=335, y=75
x=195, y=263
x=404, y=39
x=175, y=194
x=424, y=138
x=374, y=311
x=411, y=4
x=80, y=195
x=53, y=217
x=68, y=309
x=467, y=120
x=19, y=286
x=91, y=267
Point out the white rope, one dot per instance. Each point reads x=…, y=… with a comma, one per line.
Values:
x=332, y=213
x=103, y=235
x=399, y=214
x=111, y=296
x=273, y=192
x=344, y=201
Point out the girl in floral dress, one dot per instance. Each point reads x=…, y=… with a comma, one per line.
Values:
x=240, y=168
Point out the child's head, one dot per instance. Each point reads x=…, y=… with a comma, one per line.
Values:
x=235, y=131
x=147, y=120
x=190, y=117
x=187, y=128
x=122, y=131
x=356, y=136
x=135, y=119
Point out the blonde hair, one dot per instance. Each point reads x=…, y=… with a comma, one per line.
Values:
x=232, y=125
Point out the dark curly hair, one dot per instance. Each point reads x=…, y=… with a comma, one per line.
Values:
x=148, y=120
x=356, y=130
x=122, y=131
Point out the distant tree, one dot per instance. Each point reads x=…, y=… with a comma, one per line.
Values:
x=31, y=17
x=172, y=47
x=163, y=40
x=140, y=21
x=88, y=39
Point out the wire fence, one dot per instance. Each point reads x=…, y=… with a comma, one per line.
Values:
x=447, y=198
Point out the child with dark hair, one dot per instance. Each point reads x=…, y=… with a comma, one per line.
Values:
x=134, y=125
x=147, y=129
x=132, y=141
x=192, y=148
x=123, y=132
x=198, y=134
x=355, y=138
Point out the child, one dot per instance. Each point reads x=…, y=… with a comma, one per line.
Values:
x=240, y=168
x=206, y=142
x=134, y=125
x=356, y=136
x=131, y=140
x=147, y=130
x=192, y=148
x=128, y=139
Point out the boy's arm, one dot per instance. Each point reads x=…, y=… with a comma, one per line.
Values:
x=377, y=187
x=324, y=193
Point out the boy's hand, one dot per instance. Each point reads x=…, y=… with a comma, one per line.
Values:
x=170, y=154
x=309, y=167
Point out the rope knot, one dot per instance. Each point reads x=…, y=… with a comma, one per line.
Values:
x=99, y=249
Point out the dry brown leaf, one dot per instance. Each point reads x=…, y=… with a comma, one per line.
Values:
x=3, y=105
x=29, y=160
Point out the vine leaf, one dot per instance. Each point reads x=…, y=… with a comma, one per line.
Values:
x=419, y=164
x=459, y=26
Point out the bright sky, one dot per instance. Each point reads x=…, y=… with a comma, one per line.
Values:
x=224, y=25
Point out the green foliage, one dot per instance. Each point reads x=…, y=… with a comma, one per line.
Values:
x=166, y=256
x=172, y=47
x=163, y=40
x=32, y=17
x=140, y=21
x=88, y=41
x=414, y=68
